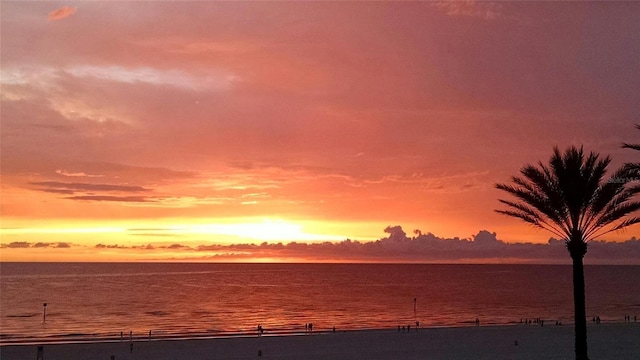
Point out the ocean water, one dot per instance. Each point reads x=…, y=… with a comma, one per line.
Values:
x=101, y=300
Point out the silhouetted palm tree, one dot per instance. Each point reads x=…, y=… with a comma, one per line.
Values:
x=571, y=198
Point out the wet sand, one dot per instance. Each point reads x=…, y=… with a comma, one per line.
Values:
x=606, y=341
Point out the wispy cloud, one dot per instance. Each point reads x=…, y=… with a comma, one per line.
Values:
x=195, y=45
x=113, y=246
x=88, y=187
x=169, y=77
x=76, y=174
x=29, y=75
x=48, y=77
x=128, y=173
x=25, y=245
x=433, y=182
x=130, y=199
x=61, y=13
x=88, y=191
x=481, y=9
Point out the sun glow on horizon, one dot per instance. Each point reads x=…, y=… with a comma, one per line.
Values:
x=265, y=230
x=174, y=240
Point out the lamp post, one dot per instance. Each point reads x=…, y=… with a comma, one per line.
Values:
x=415, y=305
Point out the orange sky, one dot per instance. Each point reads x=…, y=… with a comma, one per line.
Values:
x=194, y=123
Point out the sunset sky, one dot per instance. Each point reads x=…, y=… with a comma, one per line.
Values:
x=145, y=130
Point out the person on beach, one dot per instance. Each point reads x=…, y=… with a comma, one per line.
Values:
x=310, y=327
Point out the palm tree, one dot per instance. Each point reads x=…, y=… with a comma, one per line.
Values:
x=570, y=198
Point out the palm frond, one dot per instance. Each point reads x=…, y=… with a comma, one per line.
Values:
x=532, y=220
x=613, y=191
x=537, y=201
x=622, y=225
x=615, y=213
x=571, y=196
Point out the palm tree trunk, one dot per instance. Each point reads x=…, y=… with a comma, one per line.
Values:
x=579, y=308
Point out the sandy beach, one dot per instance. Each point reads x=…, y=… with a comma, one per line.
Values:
x=606, y=341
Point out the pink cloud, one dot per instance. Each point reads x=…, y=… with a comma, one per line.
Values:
x=471, y=8
x=61, y=13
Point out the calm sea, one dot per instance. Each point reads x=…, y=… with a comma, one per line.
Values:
x=99, y=300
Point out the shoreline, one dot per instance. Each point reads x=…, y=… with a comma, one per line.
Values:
x=163, y=334
x=222, y=334
x=606, y=341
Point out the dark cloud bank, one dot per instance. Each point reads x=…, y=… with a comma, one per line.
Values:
x=484, y=247
x=26, y=245
x=398, y=247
